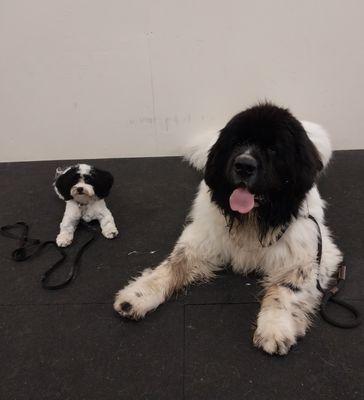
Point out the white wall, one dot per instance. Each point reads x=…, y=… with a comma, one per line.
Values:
x=115, y=78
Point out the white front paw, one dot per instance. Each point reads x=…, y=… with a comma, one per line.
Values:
x=129, y=305
x=136, y=300
x=110, y=232
x=64, y=239
x=274, y=335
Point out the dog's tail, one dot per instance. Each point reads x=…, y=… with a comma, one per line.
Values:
x=197, y=150
x=320, y=138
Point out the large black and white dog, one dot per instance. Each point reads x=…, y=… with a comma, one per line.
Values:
x=251, y=212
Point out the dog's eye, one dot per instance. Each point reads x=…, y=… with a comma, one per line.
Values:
x=271, y=151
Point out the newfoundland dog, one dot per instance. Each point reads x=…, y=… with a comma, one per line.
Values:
x=252, y=212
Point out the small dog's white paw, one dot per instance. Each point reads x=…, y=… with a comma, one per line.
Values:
x=64, y=239
x=110, y=232
x=274, y=337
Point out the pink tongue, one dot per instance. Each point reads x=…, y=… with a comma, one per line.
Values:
x=242, y=201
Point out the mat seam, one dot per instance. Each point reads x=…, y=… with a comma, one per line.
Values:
x=107, y=303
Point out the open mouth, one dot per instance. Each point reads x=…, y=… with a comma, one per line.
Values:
x=243, y=201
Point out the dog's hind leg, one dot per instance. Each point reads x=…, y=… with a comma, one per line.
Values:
x=186, y=264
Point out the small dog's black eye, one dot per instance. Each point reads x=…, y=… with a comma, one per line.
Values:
x=272, y=152
x=88, y=179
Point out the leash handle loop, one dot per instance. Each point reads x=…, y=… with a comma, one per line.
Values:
x=329, y=296
x=22, y=253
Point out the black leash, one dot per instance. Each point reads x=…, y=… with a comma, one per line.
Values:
x=330, y=293
x=23, y=253
x=29, y=248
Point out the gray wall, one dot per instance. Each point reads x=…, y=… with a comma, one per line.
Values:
x=114, y=78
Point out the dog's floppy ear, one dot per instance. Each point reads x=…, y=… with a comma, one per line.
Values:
x=65, y=181
x=102, y=182
x=217, y=159
x=213, y=164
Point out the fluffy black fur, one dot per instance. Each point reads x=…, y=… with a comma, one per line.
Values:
x=288, y=164
x=65, y=181
x=101, y=181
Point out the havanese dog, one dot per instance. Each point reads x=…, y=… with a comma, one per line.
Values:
x=84, y=188
x=252, y=212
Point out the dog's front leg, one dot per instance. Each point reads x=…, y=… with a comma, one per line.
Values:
x=285, y=312
x=185, y=265
x=107, y=222
x=69, y=224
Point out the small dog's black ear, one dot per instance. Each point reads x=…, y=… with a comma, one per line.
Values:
x=65, y=181
x=102, y=182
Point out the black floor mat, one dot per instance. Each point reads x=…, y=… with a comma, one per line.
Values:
x=84, y=352
x=221, y=362
x=69, y=345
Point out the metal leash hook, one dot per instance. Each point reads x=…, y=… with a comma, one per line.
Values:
x=329, y=295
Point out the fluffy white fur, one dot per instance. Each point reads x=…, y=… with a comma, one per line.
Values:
x=86, y=206
x=206, y=245
x=74, y=211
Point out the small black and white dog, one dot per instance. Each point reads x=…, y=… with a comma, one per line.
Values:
x=84, y=188
x=252, y=212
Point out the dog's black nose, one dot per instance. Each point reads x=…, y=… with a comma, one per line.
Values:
x=245, y=167
x=80, y=190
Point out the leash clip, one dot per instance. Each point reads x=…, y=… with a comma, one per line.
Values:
x=341, y=273
x=329, y=294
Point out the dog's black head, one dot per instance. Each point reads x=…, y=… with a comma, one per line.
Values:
x=262, y=163
x=83, y=183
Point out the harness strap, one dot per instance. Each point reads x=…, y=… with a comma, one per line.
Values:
x=29, y=248
x=330, y=293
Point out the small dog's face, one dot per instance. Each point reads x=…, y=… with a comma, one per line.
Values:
x=83, y=183
x=263, y=163
x=82, y=192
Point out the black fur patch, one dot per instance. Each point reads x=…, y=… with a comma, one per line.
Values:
x=102, y=182
x=65, y=182
x=290, y=286
x=288, y=164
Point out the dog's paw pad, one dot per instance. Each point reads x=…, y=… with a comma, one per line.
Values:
x=127, y=310
x=135, y=302
x=126, y=307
